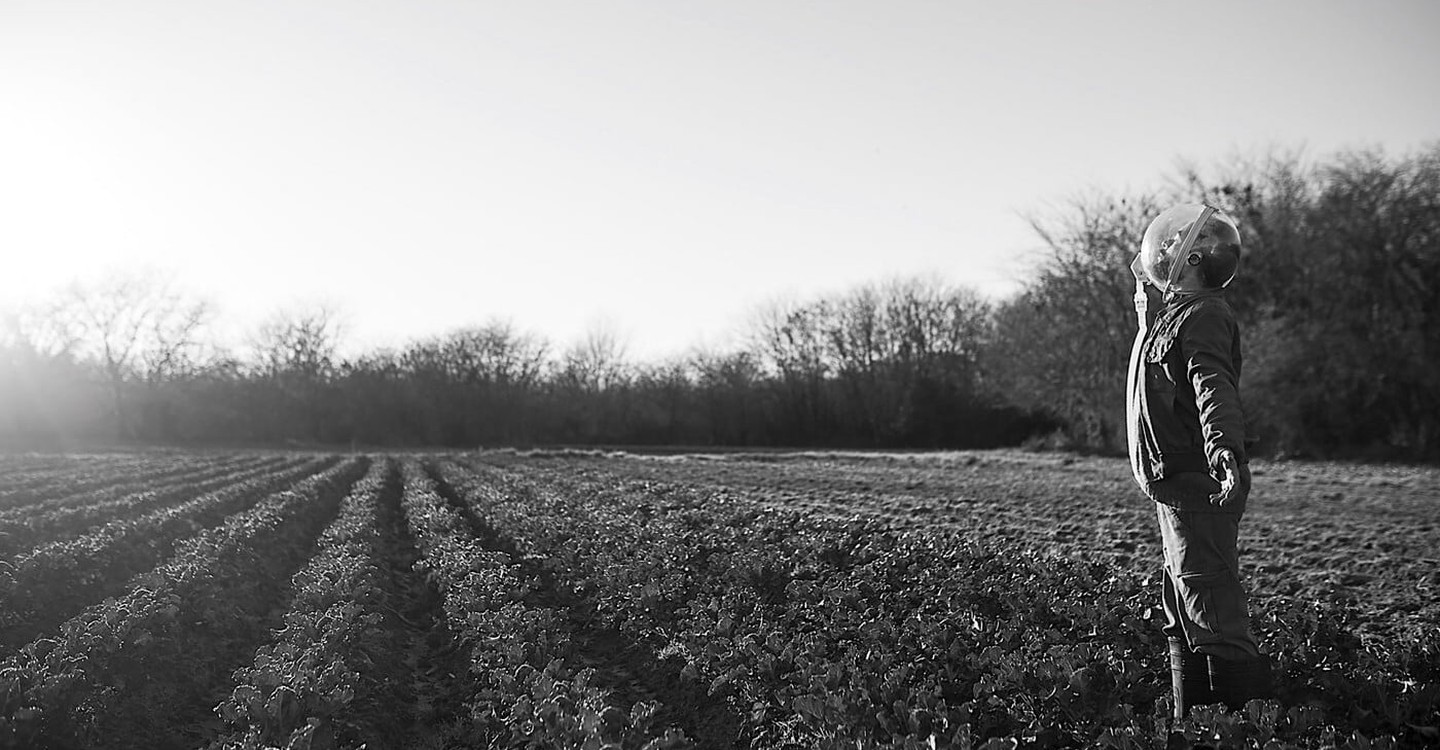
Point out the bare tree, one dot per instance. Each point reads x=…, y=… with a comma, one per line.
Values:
x=43, y=332
x=1063, y=343
x=476, y=384
x=594, y=385
x=43, y=389
x=597, y=361
x=496, y=355
x=729, y=384
x=299, y=342
x=789, y=341
x=295, y=354
x=132, y=324
x=173, y=346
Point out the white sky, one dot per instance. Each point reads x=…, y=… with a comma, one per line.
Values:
x=662, y=166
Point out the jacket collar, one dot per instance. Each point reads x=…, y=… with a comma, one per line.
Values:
x=1178, y=300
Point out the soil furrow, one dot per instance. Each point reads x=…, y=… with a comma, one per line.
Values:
x=631, y=670
x=161, y=692
x=438, y=681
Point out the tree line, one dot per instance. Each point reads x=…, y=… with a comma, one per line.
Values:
x=884, y=365
x=1339, y=300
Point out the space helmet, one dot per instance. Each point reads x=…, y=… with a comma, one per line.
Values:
x=1191, y=235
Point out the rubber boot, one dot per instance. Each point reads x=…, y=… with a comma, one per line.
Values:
x=1239, y=681
x=1189, y=678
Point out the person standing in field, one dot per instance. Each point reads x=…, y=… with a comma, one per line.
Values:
x=1187, y=450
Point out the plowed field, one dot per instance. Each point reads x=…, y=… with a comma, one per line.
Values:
x=574, y=600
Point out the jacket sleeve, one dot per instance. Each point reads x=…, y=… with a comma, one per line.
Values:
x=1210, y=341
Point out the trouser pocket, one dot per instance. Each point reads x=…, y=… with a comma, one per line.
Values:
x=1204, y=600
x=1214, y=605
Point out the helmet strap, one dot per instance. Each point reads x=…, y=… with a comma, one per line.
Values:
x=1183, y=249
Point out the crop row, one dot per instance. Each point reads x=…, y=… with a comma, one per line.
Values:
x=29, y=475
x=23, y=528
x=826, y=632
x=109, y=473
x=45, y=585
x=1340, y=559
x=1368, y=533
x=422, y=601
x=345, y=669
x=330, y=674
x=797, y=623
x=530, y=687
x=146, y=664
x=88, y=493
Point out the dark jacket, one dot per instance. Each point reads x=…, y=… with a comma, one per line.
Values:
x=1184, y=389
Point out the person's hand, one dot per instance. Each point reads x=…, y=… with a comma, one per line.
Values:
x=1227, y=472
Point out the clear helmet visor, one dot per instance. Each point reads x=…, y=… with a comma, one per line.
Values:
x=1189, y=248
